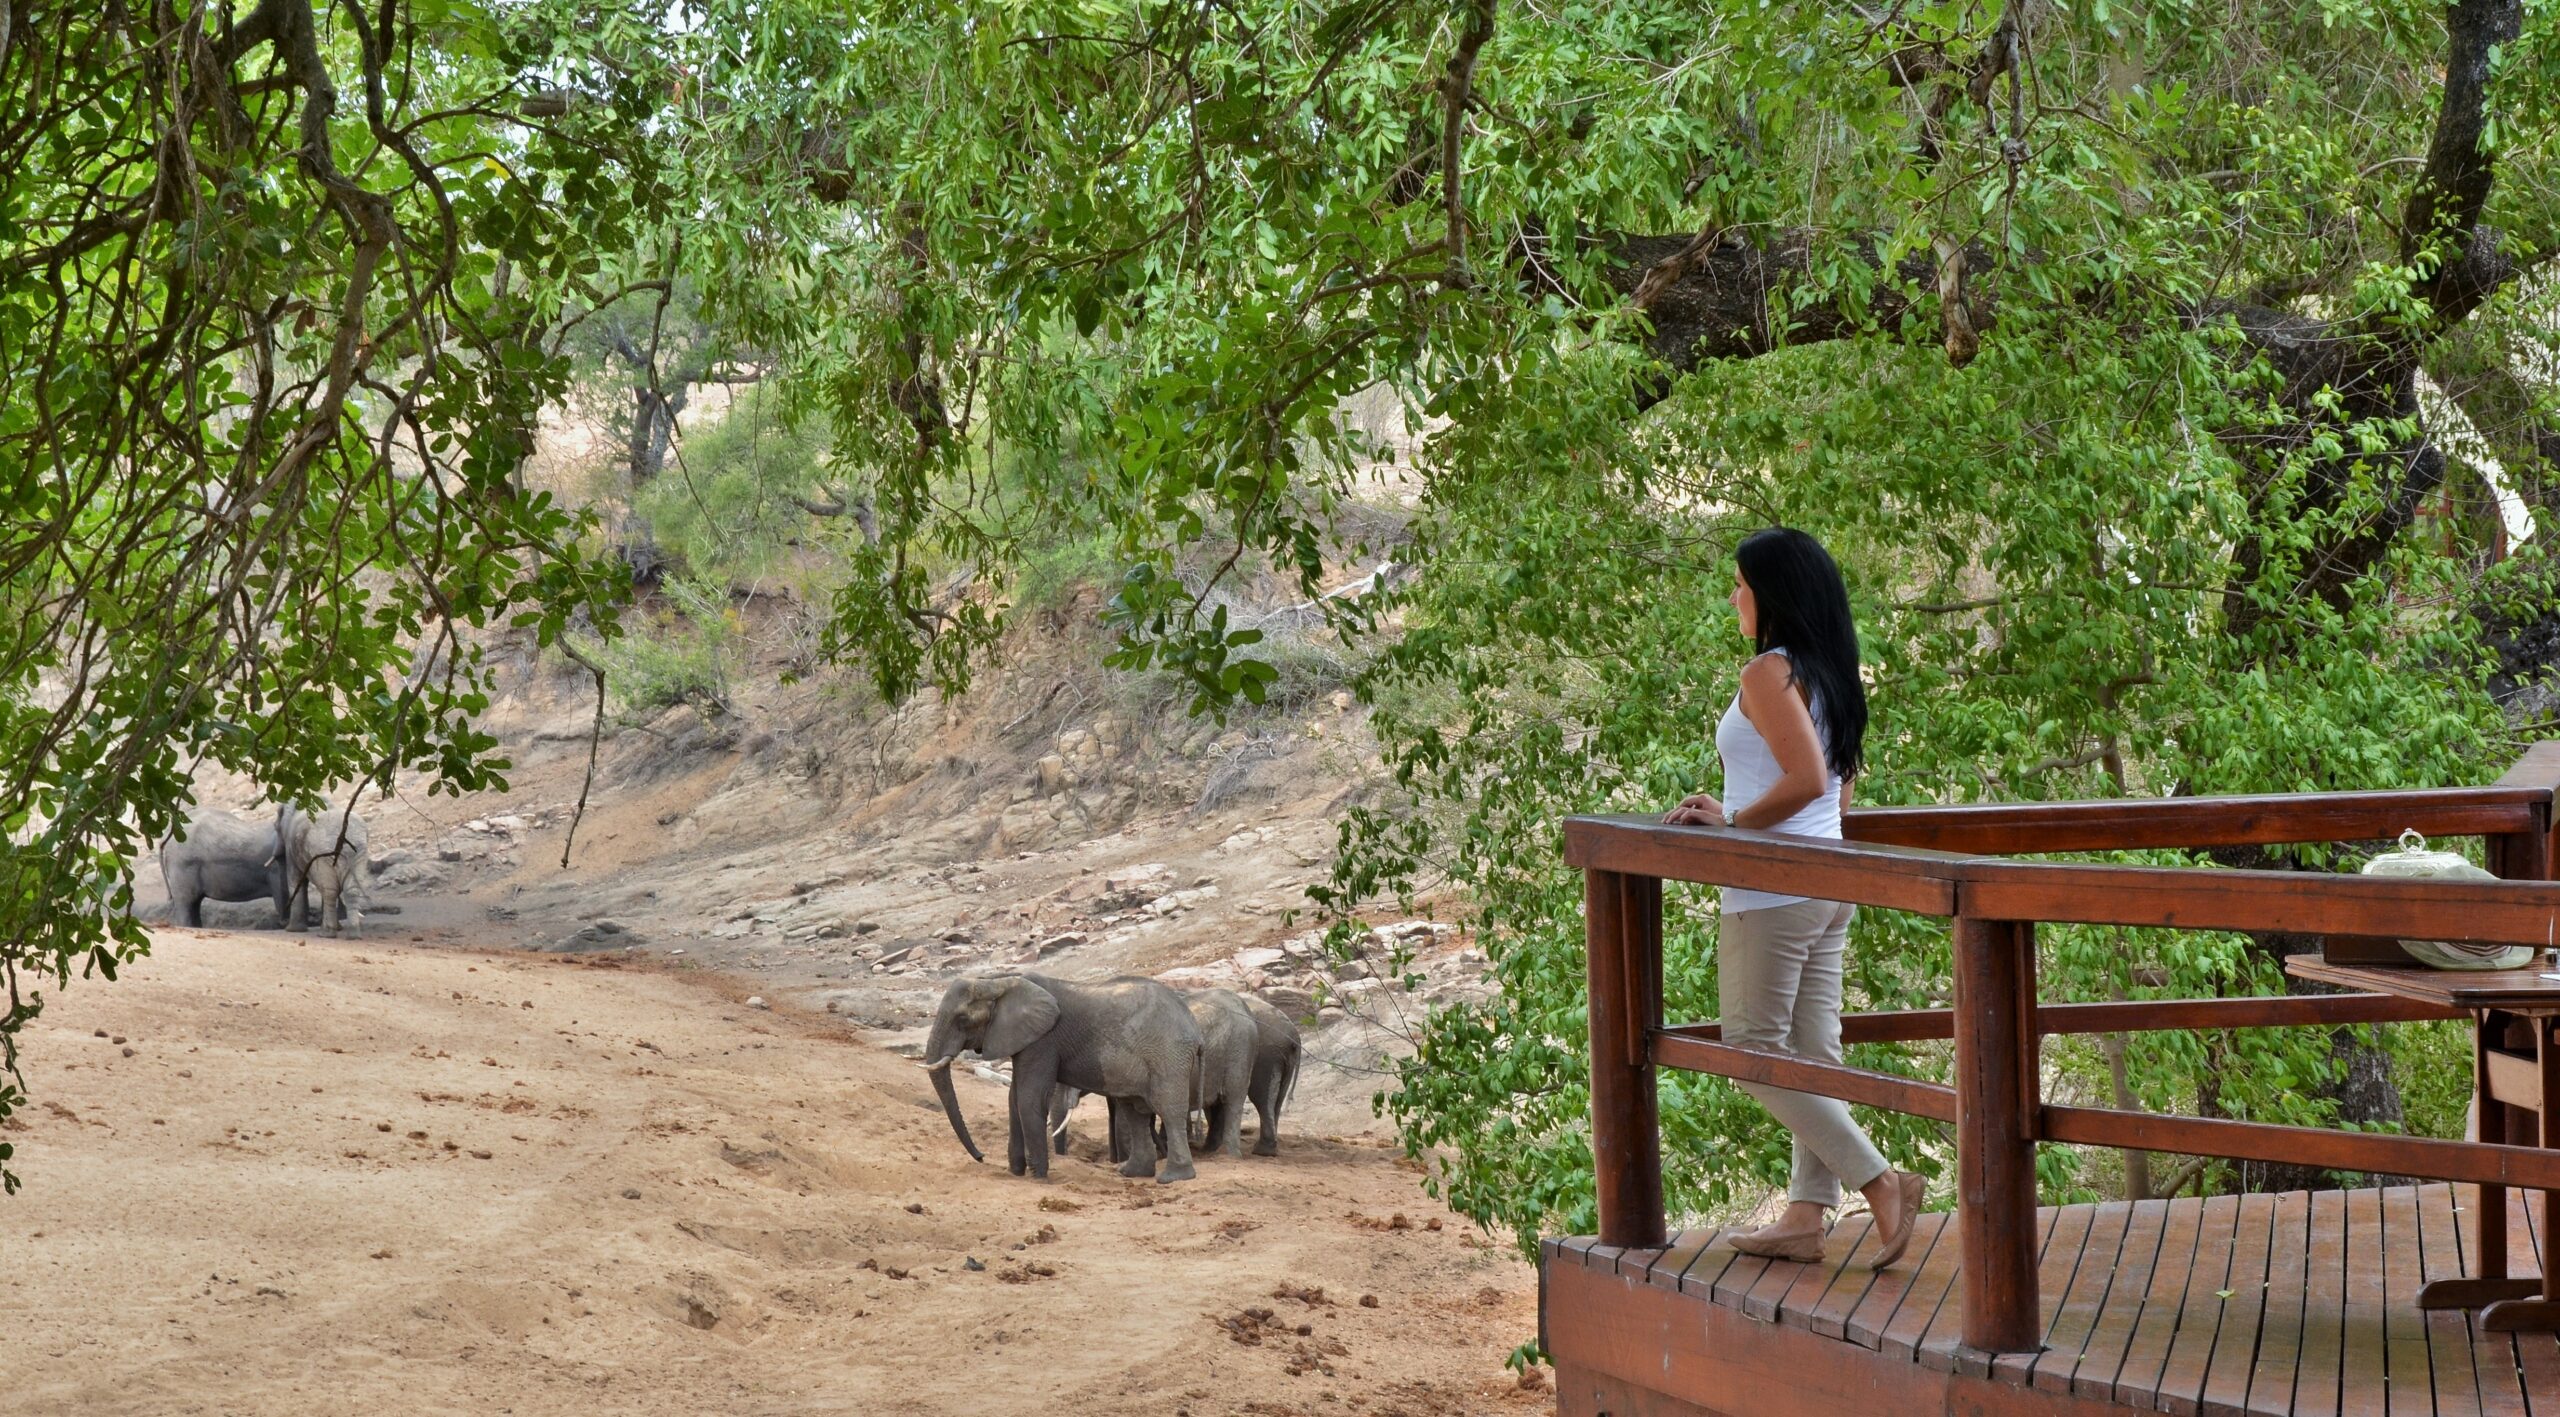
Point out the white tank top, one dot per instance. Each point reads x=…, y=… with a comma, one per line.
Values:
x=1750, y=770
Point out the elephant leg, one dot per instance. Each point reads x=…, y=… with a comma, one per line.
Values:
x=1229, y=1131
x=191, y=911
x=1031, y=1123
x=1137, y=1130
x=1173, y=1103
x=1266, y=1105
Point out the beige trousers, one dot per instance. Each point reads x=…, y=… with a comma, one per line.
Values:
x=1778, y=985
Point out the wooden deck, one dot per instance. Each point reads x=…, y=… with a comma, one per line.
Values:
x=2298, y=1305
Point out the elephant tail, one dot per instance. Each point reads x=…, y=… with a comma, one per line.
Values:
x=1289, y=1076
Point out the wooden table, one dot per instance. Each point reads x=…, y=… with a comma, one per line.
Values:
x=2515, y=1050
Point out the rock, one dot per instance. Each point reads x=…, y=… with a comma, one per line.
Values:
x=732, y=930
x=1330, y=1014
x=376, y=865
x=1341, y=701
x=756, y=1001
x=865, y=927
x=1241, y=841
x=509, y=824
x=972, y=1264
x=478, y=824
x=1259, y=958
x=1296, y=1003
x=832, y=930
x=1066, y=940
x=602, y=935
x=1050, y=774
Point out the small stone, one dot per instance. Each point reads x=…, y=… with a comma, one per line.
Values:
x=972, y=1264
x=480, y=1155
x=756, y=1001
x=915, y=1207
x=129, y=1053
x=119, y=1038
x=382, y=1126
x=1368, y=1301
x=865, y=927
x=631, y=1193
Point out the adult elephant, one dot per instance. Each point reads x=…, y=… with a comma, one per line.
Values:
x=1129, y=1039
x=1275, y=1069
x=322, y=855
x=217, y=856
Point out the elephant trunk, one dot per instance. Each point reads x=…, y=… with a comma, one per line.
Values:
x=939, y=1050
x=951, y=1108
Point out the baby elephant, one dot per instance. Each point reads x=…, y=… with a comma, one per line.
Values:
x=323, y=854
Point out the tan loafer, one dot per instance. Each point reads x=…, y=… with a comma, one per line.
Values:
x=1802, y=1249
x=1914, y=1189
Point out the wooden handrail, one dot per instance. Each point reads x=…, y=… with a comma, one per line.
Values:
x=1948, y=862
x=1683, y=1049
x=2138, y=823
x=2134, y=1016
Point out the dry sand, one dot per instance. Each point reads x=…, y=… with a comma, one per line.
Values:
x=323, y=1177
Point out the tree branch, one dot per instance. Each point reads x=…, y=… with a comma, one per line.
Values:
x=2444, y=210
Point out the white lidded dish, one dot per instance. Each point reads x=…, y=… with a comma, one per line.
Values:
x=2414, y=862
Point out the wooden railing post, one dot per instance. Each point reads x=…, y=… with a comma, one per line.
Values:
x=1622, y=932
x=1996, y=1096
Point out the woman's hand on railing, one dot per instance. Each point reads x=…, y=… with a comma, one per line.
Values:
x=1697, y=810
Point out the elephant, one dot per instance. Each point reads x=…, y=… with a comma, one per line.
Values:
x=1129, y=1039
x=217, y=856
x=1229, y=1039
x=325, y=853
x=1235, y=1066
x=1275, y=1069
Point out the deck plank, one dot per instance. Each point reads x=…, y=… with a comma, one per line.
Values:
x=1929, y=1292
x=1703, y=1272
x=1841, y=1268
x=2414, y=1365
x=2128, y=1289
x=2364, y=1342
x=2086, y=1297
x=2155, y=1324
x=2201, y=1310
x=2225, y=1390
x=2278, y=1370
x=2487, y=1381
x=2537, y=1355
x=1676, y=1257
x=2324, y=1297
x=1891, y=1288
x=1762, y=1299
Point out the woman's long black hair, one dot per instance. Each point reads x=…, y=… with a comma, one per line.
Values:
x=1804, y=610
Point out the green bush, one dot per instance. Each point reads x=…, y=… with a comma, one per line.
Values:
x=687, y=650
x=725, y=508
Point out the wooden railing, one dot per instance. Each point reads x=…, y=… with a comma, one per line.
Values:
x=1946, y=862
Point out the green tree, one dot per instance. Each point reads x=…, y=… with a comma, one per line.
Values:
x=280, y=291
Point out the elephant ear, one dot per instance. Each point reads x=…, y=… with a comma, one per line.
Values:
x=1024, y=1013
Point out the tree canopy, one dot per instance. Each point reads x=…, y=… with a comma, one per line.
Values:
x=2168, y=376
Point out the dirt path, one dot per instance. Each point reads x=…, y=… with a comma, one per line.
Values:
x=321, y=1177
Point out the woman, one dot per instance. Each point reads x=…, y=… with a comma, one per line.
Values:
x=1791, y=742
